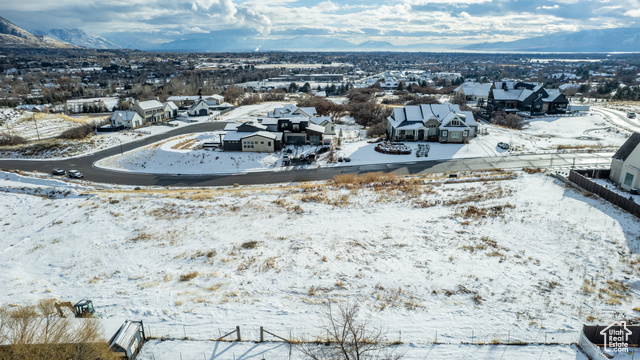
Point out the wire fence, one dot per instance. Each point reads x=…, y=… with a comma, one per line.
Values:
x=392, y=335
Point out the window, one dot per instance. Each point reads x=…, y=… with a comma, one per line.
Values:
x=455, y=135
x=269, y=143
x=628, y=179
x=455, y=123
x=465, y=133
x=444, y=133
x=262, y=142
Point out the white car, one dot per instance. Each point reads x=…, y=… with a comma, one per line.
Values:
x=75, y=174
x=504, y=146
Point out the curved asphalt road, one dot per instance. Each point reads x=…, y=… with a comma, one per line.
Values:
x=85, y=165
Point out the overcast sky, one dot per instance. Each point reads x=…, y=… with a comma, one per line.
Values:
x=398, y=22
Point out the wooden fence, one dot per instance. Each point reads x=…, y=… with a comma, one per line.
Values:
x=577, y=177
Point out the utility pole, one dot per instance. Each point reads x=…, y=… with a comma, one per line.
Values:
x=33, y=116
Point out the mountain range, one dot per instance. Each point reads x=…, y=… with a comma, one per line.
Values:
x=80, y=38
x=602, y=40
x=14, y=37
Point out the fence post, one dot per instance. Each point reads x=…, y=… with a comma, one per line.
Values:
x=436, y=337
x=472, y=336
x=261, y=334
x=238, y=331
x=184, y=331
x=509, y=338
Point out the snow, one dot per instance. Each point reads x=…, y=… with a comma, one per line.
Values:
x=617, y=189
x=45, y=125
x=197, y=350
x=542, y=261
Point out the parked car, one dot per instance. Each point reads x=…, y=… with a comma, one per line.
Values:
x=286, y=160
x=503, y=145
x=631, y=115
x=58, y=172
x=75, y=174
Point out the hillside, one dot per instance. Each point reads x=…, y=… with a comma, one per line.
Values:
x=14, y=37
x=80, y=38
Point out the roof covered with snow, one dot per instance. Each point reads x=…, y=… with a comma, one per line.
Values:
x=627, y=148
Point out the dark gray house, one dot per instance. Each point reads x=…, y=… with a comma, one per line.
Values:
x=512, y=96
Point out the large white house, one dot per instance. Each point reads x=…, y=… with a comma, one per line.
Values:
x=625, y=165
x=127, y=119
x=151, y=111
x=445, y=123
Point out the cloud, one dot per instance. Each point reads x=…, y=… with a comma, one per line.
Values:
x=633, y=13
x=396, y=21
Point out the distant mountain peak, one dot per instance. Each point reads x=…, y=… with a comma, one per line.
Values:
x=12, y=36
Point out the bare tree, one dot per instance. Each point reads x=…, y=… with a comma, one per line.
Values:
x=349, y=338
x=38, y=332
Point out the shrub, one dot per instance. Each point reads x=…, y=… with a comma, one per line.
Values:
x=511, y=121
x=250, y=245
x=189, y=276
x=78, y=132
x=7, y=139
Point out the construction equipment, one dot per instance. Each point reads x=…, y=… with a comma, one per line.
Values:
x=82, y=309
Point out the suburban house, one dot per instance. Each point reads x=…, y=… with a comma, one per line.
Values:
x=292, y=110
x=188, y=100
x=512, y=96
x=33, y=108
x=473, y=91
x=251, y=136
x=625, y=164
x=127, y=119
x=151, y=111
x=326, y=123
x=300, y=128
x=204, y=107
x=445, y=123
x=170, y=110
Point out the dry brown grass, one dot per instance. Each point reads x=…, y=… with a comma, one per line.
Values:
x=189, y=276
x=580, y=147
x=187, y=144
x=474, y=212
x=530, y=170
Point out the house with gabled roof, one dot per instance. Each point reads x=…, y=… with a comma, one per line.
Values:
x=625, y=164
x=170, y=110
x=326, y=123
x=151, y=111
x=472, y=90
x=189, y=100
x=445, y=123
x=127, y=119
x=512, y=96
x=292, y=110
x=250, y=136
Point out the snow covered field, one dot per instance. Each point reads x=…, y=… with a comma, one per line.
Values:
x=45, y=126
x=495, y=255
x=542, y=135
x=198, y=350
